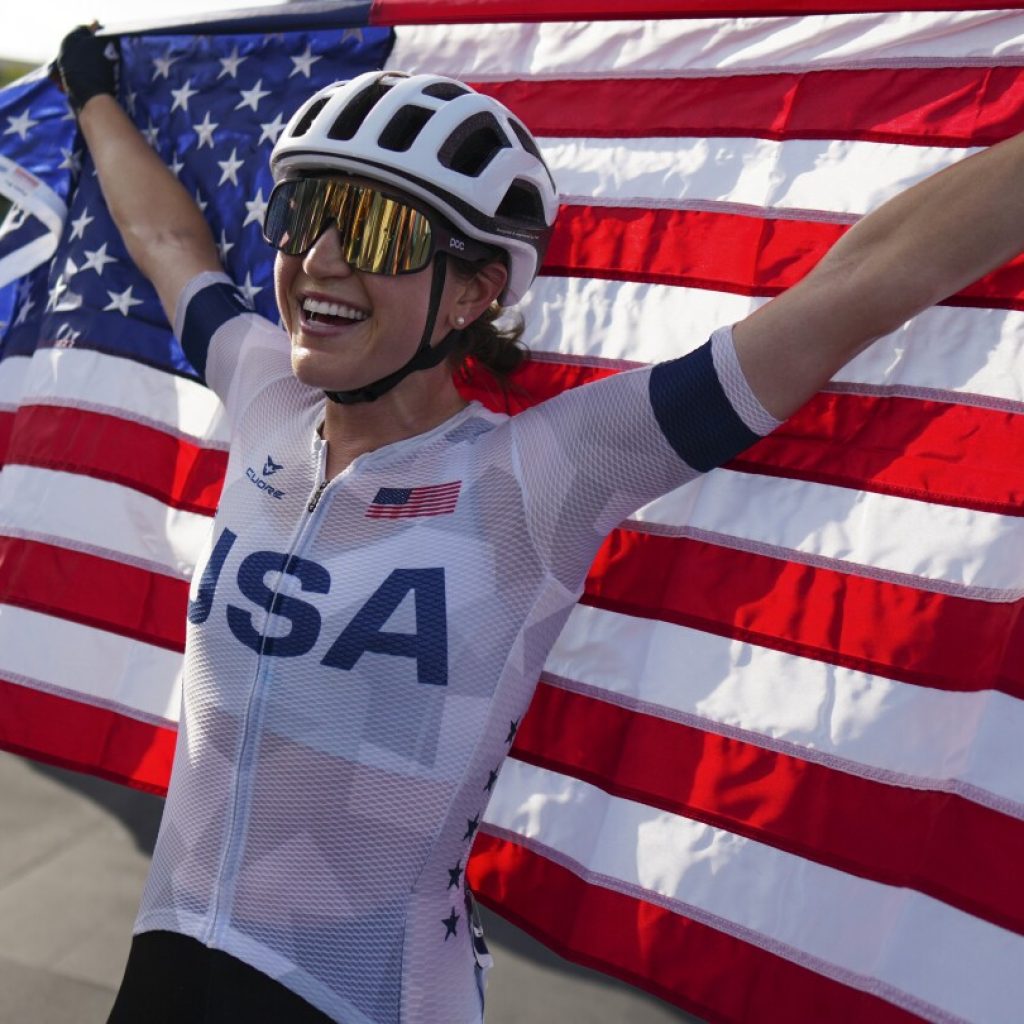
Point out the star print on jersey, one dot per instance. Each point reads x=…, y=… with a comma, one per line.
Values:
x=492, y=778
x=471, y=826
x=512, y=727
x=455, y=875
x=450, y=924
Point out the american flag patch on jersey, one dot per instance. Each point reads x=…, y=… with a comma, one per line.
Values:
x=403, y=502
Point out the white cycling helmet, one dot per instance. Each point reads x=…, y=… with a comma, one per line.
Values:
x=460, y=152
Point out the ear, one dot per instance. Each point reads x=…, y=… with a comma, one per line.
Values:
x=476, y=293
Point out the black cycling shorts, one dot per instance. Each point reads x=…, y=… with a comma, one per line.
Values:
x=174, y=979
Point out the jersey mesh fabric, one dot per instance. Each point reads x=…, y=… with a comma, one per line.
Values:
x=353, y=672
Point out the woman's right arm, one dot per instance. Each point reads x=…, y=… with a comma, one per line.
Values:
x=162, y=228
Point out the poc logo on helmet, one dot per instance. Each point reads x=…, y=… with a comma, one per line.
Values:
x=455, y=243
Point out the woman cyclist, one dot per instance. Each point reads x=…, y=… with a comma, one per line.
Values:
x=389, y=565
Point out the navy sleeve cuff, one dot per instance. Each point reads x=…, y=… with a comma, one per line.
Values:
x=694, y=412
x=207, y=311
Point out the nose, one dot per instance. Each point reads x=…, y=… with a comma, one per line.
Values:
x=325, y=258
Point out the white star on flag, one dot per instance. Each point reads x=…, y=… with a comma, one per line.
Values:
x=271, y=130
x=152, y=134
x=352, y=33
x=182, y=96
x=256, y=209
x=205, y=130
x=162, y=65
x=304, y=62
x=66, y=337
x=176, y=166
x=97, y=259
x=60, y=286
x=230, y=64
x=24, y=311
x=249, y=290
x=251, y=97
x=22, y=124
x=72, y=161
x=224, y=246
x=201, y=202
x=79, y=225
x=122, y=301
x=229, y=168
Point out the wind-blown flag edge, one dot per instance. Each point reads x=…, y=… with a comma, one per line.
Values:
x=781, y=979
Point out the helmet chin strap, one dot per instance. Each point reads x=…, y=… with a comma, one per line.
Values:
x=424, y=357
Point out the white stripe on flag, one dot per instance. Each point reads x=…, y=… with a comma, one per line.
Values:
x=865, y=934
x=101, y=517
x=89, y=664
x=838, y=176
x=950, y=349
x=703, y=46
x=960, y=551
x=85, y=379
x=967, y=743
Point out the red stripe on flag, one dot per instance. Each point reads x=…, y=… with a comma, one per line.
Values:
x=687, y=963
x=915, y=106
x=938, y=843
x=6, y=428
x=430, y=12
x=94, y=591
x=875, y=626
x=148, y=460
x=940, y=452
x=82, y=737
x=728, y=252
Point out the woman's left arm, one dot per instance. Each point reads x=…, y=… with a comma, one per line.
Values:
x=919, y=248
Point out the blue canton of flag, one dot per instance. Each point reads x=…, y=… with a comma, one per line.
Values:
x=212, y=107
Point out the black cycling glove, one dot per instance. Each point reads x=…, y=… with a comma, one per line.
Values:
x=88, y=66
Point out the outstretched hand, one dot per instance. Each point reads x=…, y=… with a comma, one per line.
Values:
x=88, y=66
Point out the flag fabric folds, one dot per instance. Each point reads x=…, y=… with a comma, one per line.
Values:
x=774, y=768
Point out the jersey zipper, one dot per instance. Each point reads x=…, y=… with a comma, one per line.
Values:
x=234, y=845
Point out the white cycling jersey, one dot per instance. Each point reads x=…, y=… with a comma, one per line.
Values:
x=359, y=653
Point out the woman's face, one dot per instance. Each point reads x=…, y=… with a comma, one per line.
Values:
x=350, y=328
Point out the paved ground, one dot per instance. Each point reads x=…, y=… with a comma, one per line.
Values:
x=73, y=856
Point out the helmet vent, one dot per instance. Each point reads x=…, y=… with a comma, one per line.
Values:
x=445, y=90
x=523, y=203
x=357, y=109
x=472, y=146
x=525, y=138
x=310, y=116
x=401, y=131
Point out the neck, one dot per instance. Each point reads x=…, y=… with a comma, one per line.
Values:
x=416, y=405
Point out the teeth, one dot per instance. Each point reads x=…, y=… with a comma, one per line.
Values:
x=332, y=309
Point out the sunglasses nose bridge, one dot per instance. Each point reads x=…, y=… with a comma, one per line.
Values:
x=325, y=257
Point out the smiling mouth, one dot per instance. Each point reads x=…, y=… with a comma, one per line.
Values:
x=317, y=311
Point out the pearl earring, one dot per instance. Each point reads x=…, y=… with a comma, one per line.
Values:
x=460, y=321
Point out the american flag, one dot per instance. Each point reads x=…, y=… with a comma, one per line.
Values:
x=774, y=768
x=408, y=502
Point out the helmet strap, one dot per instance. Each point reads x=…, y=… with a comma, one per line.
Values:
x=423, y=358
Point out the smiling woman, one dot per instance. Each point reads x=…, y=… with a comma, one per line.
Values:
x=362, y=646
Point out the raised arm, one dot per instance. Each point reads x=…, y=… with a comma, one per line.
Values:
x=917, y=249
x=161, y=225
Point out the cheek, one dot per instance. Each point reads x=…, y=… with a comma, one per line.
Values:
x=285, y=269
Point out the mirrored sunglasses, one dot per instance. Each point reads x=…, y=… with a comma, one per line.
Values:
x=379, y=233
